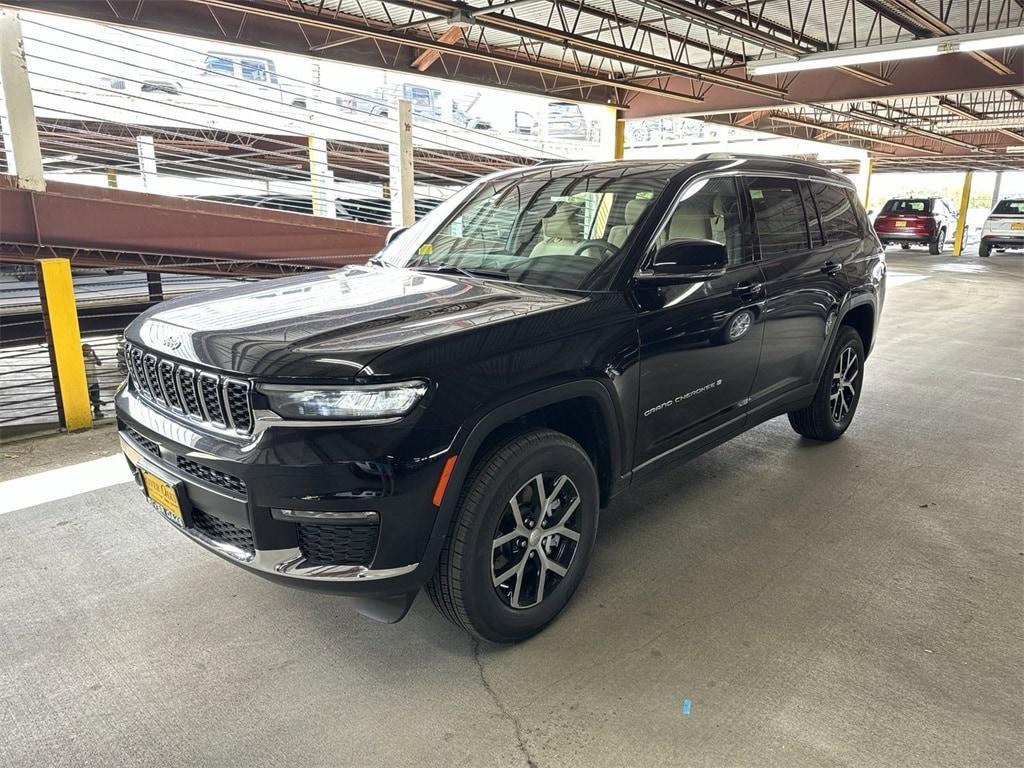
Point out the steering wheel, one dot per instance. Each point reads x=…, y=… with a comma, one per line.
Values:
x=600, y=244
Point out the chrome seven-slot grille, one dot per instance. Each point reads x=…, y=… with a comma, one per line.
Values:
x=220, y=401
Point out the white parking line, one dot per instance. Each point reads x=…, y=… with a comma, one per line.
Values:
x=56, y=484
x=894, y=278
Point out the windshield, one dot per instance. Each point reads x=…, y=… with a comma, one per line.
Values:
x=907, y=206
x=1010, y=208
x=554, y=226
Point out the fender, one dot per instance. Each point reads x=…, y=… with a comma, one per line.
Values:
x=468, y=447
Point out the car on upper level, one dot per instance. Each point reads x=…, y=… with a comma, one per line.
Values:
x=1004, y=228
x=454, y=414
x=910, y=221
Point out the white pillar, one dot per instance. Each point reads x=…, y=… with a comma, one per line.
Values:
x=23, y=133
x=147, y=160
x=542, y=125
x=608, y=146
x=867, y=168
x=997, y=189
x=321, y=179
x=403, y=210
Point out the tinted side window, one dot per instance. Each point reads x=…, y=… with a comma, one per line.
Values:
x=710, y=210
x=778, y=215
x=838, y=215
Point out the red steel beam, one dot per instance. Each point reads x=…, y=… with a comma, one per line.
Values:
x=105, y=219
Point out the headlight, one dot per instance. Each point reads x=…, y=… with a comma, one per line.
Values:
x=351, y=402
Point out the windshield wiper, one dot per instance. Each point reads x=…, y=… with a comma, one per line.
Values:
x=451, y=269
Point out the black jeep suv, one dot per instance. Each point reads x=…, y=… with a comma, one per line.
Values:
x=454, y=413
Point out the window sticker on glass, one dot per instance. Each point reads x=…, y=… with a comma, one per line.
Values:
x=426, y=249
x=456, y=228
x=756, y=194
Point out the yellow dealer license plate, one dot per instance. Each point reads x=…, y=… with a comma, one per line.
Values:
x=1017, y=226
x=900, y=224
x=164, y=496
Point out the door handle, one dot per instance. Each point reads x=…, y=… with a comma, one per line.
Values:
x=746, y=291
x=831, y=268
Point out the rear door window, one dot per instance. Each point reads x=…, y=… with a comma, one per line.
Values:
x=837, y=211
x=779, y=217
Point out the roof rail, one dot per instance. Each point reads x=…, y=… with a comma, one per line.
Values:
x=752, y=156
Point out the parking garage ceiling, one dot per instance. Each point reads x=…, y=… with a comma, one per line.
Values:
x=656, y=57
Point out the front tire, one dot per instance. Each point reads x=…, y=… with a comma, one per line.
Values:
x=521, y=537
x=835, y=402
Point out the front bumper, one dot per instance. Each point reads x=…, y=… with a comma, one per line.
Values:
x=291, y=562
x=235, y=491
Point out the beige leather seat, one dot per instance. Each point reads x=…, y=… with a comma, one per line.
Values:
x=617, y=235
x=561, y=233
x=689, y=224
x=686, y=225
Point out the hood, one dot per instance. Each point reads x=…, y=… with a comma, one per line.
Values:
x=329, y=325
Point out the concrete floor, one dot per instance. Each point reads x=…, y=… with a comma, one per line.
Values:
x=859, y=603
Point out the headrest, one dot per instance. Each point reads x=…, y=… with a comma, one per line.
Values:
x=633, y=210
x=718, y=206
x=562, y=224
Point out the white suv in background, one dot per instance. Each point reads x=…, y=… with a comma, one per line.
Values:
x=1004, y=227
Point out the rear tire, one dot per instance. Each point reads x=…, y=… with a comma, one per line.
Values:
x=935, y=246
x=500, y=575
x=905, y=246
x=835, y=403
x=984, y=250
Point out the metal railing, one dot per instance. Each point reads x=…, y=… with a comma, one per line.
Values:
x=121, y=107
x=104, y=305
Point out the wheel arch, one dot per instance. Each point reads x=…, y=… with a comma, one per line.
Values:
x=861, y=318
x=584, y=410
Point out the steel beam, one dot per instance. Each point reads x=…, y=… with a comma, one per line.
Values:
x=225, y=238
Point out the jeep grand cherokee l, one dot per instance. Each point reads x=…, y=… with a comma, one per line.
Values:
x=453, y=414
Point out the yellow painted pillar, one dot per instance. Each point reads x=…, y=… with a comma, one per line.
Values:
x=620, y=137
x=961, y=223
x=58, y=295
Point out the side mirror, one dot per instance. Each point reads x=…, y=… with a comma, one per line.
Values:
x=686, y=261
x=393, y=233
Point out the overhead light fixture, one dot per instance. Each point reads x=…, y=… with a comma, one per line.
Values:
x=876, y=54
x=981, y=124
x=1011, y=40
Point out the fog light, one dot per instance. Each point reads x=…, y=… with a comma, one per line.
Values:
x=295, y=515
